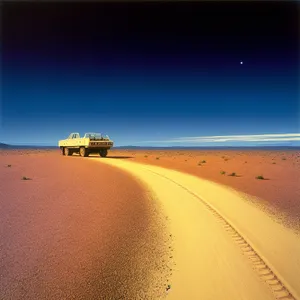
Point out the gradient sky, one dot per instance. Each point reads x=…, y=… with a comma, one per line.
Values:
x=144, y=72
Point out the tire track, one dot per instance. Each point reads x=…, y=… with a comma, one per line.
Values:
x=270, y=277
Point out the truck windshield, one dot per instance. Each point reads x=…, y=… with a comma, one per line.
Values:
x=93, y=135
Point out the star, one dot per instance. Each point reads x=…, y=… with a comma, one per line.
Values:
x=241, y=62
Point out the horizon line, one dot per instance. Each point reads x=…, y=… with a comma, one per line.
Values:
x=177, y=146
x=198, y=141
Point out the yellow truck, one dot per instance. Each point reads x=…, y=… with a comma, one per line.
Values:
x=90, y=143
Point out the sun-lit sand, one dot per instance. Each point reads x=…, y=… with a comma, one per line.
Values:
x=138, y=229
x=208, y=263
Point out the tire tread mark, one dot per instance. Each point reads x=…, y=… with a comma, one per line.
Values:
x=279, y=290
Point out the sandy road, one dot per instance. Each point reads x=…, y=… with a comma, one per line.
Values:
x=224, y=247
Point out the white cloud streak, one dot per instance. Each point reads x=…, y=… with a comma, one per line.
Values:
x=285, y=137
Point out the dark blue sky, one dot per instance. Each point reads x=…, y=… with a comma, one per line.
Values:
x=149, y=71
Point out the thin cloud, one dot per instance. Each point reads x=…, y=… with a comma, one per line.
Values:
x=273, y=135
x=286, y=137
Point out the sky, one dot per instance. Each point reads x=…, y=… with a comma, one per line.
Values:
x=146, y=74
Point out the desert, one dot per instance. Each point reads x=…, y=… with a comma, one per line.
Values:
x=150, y=151
x=132, y=225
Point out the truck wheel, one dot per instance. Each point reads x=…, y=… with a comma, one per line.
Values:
x=83, y=152
x=103, y=152
x=68, y=152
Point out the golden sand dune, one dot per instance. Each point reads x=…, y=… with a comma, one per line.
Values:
x=224, y=246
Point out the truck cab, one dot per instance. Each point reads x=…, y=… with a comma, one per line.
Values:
x=74, y=135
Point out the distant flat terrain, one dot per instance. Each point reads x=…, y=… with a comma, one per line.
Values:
x=150, y=225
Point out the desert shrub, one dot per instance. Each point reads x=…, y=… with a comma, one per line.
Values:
x=232, y=174
x=25, y=178
x=222, y=172
x=260, y=177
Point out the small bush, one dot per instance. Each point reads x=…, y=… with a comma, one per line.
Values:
x=25, y=178
x=222, y=172
x=9, y=166
x=203, y=161
x=146, y=156
x=232, y=174
x=199, y=163
x=260, y=177
x=274, y=163
x=226, y=159
x=157, y=157
x=284, y=158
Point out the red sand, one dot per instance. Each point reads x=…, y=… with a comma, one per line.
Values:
x=80, y=229
x=279, y=194
x=76, y=230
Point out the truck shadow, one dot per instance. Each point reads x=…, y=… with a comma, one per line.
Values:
x=119, y=157
x=107, y=157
